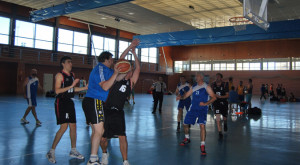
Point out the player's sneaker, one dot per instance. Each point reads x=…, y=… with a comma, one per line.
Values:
x=104, y=159
x=203, y=152
x=185, y=141
x=51, y=157
x=76, y=154
x=24, y=121
x=126, y=162
x=38, y=123
x=93, y=163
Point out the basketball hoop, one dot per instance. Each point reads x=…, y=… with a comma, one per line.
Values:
x=239, y=23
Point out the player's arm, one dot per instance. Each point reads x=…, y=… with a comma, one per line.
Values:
x=212, y=97
x=59, y=80
x=186, y=95
x=177, y=91
x=24, y=86
x=137, y=70
x=78, y=89
x=133, y=44
x=105, y=85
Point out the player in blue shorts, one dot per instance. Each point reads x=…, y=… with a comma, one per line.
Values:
x=198, y=112
x=30, y=87
x=181, y=89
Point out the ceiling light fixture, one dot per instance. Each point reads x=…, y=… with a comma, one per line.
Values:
x=116, y=18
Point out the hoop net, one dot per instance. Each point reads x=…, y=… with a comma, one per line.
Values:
x=239, y=23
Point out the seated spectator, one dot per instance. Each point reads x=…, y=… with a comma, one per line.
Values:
x=233, y=98
x=292, y=97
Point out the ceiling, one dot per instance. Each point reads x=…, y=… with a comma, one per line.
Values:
x=158, y=16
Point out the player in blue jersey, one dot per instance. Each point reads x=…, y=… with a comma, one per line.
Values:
x=30, y=88
x=181, y=89
x=100, y=81
x=198, y=112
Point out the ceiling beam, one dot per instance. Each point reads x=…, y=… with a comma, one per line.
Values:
x=71, y=7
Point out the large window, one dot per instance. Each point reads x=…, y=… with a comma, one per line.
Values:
x=124, y=45
x=4, y=30
x=276, y=64
x=295, y=63
x=180, y=66
x=149, y=55
x=201, y=66
x=100, y=44
x=71, y=41
x=33, y=35
x=223, y=65
x=248, y=65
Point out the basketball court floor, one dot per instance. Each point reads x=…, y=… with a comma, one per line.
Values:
x=273, y=138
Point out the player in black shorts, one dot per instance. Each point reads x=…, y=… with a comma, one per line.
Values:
x=65, y=83
x=220, y=106
x=114, y=125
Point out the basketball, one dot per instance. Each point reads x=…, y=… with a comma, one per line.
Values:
x=123, y=65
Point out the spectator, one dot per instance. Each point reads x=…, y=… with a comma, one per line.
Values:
x=233, y=98
x=263, y=91
x=240, y=91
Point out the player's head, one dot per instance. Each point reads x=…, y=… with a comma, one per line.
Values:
x=106, y=58
x=66, y=63
x=250, y=80
x=200, y=77
x=219, y=76
x=230, y=79
x=33, y=72
x=160, y=78
x=182, y=79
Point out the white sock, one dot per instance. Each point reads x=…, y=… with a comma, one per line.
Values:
x=73, y=149
x=52, y=150
x=94, y=158
x=187, y=136
x=202, y=143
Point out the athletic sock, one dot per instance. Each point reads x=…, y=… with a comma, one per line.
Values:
x=187, y=136
x=52, y=150
x=94, y=158
x=202, y=143
x=73, y=149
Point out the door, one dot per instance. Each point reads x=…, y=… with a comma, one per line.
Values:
x=48, y=82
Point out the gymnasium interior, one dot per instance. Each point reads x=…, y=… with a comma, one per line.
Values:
x=242, y=39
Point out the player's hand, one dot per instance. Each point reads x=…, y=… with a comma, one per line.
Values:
x=87, y=87
x=202, y=104
x=178, y=97
x=135, y=43
x=116, y=69
x=75, y=82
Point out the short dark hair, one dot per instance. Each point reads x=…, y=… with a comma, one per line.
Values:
x=64, y=58
x=230, y=78
x=104, y=56
x=219, y=75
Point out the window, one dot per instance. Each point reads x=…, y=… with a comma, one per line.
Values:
x=223, y=65
x=33, y=35
x=4, y=30
x=295, y=63
x=71, y=41
x=248, y=65
x=149, y=55
x=100, y=44
x=276, y=64
x=201, y=66
x=124, y=45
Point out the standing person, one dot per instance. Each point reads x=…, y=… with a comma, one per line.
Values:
x=30, y=87
x=198, y=112
x=249, y=93
x=65, y=86
x=263, y=92
x=230, y=83
x=267, y=90
x=278, y=91
x=100, y=81
x=181, y=89
x=240, y=91
x=221, y=104
x=160, y=87
x=114, y=124
x=82, y=83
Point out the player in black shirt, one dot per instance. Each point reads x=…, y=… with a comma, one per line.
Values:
x=220, y=106
x=65, y=83
x=114, y=124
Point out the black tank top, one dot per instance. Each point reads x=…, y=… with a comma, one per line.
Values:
x=220, y=90
x=67, y=81
x=118, y=94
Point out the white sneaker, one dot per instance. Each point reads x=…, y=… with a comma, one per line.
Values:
x=93, y=163
x=51, y=157
x=126, y=162
x=76, y=154
x=24, y=121
x=104, y=159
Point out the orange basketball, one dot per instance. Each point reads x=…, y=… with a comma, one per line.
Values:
x=123, y=65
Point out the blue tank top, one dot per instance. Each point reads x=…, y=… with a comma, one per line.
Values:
x=199, y=95
x=183, y=88
x=32, y=87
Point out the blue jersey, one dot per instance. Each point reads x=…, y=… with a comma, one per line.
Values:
x=199, y=95
x=32, y=87
x=183, y=88
x=99, y=73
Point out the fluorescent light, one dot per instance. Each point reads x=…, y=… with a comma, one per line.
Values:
x=116, y=18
